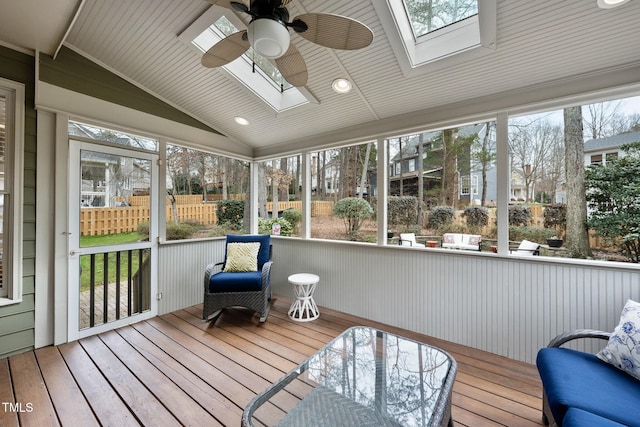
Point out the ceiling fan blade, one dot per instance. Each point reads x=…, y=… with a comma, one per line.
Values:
x=224, y=3
x=335, y=31
x=292, y=67
x=226, y=50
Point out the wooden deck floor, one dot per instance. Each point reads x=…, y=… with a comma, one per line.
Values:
x=177, y=370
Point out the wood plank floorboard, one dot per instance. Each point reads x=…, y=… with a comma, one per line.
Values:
x=176, y=369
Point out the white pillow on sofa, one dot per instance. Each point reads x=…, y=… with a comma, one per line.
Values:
x=623, y=348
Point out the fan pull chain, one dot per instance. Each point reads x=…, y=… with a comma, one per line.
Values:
x=253, y=67
x=281, y=88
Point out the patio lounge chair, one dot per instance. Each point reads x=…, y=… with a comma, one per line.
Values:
x=527, y=248
x=409, y=239
x=242, y=279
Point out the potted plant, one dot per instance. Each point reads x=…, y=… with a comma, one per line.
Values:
x=555, y=216
x=554, y=242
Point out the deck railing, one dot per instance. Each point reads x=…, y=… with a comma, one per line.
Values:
x=116, y=286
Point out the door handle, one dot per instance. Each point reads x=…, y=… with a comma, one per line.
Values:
x=74, y=253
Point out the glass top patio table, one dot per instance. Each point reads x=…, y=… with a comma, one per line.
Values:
x=363, y=377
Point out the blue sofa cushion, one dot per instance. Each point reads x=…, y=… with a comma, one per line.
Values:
x=580, y=380
x=578, y=418
x=236, y=282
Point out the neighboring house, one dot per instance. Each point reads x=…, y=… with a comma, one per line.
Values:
x=404, y=167
x=517, y=189
x=331, y=175
x=108, y=179
x=599, y=151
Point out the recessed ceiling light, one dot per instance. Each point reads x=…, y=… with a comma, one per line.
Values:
x=609, y=4
x=341, y=86
x=241, y=120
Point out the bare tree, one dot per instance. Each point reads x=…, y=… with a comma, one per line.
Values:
x=577, y=236
x=484, y=154
x=283, y=192
x=429, y=14
x=532, y=146
x=262, y=189
x=602, y=119
x=450, y=167
x=365, y=167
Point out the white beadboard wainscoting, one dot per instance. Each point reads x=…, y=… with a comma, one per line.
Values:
x=181, y=271
x=505, y=305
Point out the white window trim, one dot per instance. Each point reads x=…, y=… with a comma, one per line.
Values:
x=14, y=157
x=462, y=41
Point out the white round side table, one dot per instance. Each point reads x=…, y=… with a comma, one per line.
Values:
x=304, y=308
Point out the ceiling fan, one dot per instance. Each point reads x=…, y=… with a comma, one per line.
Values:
x=268, y=34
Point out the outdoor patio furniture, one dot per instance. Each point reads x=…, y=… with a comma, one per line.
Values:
x=527, y=248
x=242, y=279
x=357, y=379
x=462, y=241
x=304, y=308
x=575, y=381
x=409, y=239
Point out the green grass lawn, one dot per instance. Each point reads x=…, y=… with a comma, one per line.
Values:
x=112, y=239
x=109, y=239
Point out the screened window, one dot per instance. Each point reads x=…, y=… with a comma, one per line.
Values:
x=540, y=145
x=342, y=205
x=206, y=194
x=457, y=172
x=11, y=166
x=279, y=196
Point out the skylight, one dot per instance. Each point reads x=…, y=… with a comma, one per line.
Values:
x=264, y=80
x=427, y=16
x=223, y=28
x=438, y=32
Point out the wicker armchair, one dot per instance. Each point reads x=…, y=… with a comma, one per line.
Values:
x=245, y=289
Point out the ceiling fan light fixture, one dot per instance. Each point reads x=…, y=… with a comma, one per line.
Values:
x=269, y=38
x=341, y=86
x=609, y=4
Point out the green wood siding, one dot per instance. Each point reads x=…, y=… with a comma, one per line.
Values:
x=72, y=71
x=17, y=320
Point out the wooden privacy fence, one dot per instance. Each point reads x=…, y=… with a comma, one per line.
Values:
x=191, y=199
x=98, y=221
x=101, y=221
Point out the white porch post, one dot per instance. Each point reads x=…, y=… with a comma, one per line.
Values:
x=253, y=203
x=383, y=190
x=306, y=195
x=503, y=178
